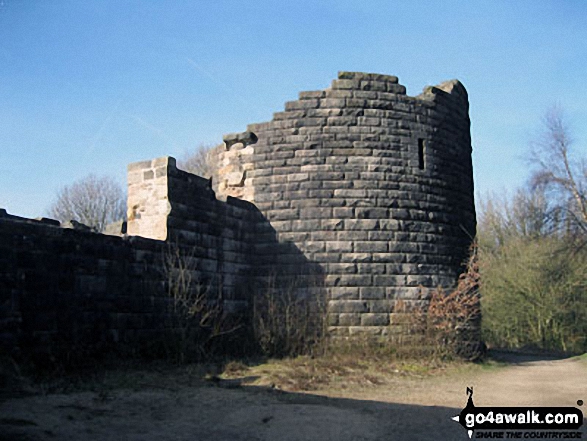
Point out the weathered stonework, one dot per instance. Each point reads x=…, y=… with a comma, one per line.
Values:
x=373, y=185
x=64, y=285
x=366, y=191
x=148, y=204
x=234, y=164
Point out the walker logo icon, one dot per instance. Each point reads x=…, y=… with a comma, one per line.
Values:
x=510, y=421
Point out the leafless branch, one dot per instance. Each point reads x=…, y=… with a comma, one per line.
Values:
x=94, y=201
x=555, y=168
x=202, y=161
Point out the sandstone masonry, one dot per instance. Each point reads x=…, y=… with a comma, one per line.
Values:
x=371, y=184
x=364, y=189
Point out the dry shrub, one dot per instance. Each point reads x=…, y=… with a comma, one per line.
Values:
x=450, y=324
x=289, y=316
x=195, y=318
x=364, y=346
x=202, y=161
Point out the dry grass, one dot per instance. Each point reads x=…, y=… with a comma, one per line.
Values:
x=333, y=371
x=287, y=320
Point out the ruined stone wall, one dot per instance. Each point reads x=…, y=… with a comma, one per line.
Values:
x=371, y=184
x=60, y=286
x=78, y=289
x=167, y=203
x=366, y=190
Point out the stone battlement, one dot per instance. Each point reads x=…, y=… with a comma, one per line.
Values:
x=361, y=184
x=373, y=185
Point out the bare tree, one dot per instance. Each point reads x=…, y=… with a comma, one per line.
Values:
x=525, y=214
x=94, y=201
x=202, y=161
x=557, y=171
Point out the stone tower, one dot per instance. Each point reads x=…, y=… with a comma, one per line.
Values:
x=372, y=186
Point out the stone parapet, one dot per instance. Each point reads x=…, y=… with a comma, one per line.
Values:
x=373, y=185
x=359, y=192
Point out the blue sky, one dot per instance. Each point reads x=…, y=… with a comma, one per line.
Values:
x=90, y=86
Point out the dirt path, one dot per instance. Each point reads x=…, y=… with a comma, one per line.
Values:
x=415, y=409
x=528, y=380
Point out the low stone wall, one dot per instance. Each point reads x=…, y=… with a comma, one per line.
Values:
x=62, y=285
x=359, y=188
x=84, y=289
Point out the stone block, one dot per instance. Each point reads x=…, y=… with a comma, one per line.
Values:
x=138, y=166
x=316, y=213
x=312, y=94
x=350, y=319
x=342, y=268
x=389, y=280
x=372, y=292
x=339, y=247
x=356, y=257
x=367, y=330
x=374, y=319
x=354, y=236
x=370, y=247
x=135, y=177
x=297, y=105
x=356, y=102
x=331, y=224
x=325, y=236
x=371, y=268
x=361, y=224
x=355, y=280
x=343, y=293
x=343, y=213
x=347, y=306
x=329, y=103
x=306, y=225
x=345, y=84
x=310, y=246
x=381, y=306
x=297, y=177
x=333, y=93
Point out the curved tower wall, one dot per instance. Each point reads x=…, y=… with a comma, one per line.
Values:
x=372, y=185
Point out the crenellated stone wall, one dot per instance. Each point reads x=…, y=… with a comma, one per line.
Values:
x=374, y=186
x=360, y=187
x=66, y=286
x=167, y=203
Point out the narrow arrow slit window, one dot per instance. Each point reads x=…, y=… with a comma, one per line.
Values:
x=421, y=149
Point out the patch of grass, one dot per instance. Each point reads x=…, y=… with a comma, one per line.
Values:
x=235, y=367
x=340, y=371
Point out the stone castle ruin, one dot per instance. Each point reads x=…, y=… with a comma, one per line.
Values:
x=362, y=187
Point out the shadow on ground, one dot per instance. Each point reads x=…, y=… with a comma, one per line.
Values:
x=222, y=411
x=520, y=357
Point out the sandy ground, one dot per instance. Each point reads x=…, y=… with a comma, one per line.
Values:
x=402, y=409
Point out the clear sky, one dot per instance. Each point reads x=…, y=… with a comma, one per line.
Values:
x=90, y=86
